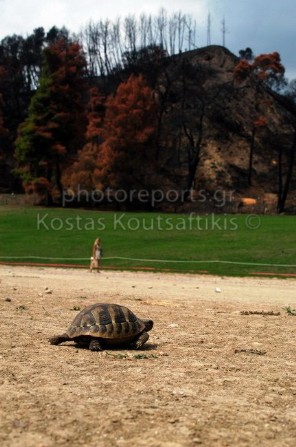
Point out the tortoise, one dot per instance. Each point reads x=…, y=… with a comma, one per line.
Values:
x=104, y=325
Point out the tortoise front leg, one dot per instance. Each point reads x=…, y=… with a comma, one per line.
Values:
x=95, y=345
x=58, y=339
x=139, y=342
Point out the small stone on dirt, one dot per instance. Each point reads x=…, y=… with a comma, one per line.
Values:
x=48, y=291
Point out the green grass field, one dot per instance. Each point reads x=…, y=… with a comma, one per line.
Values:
x=217, y=244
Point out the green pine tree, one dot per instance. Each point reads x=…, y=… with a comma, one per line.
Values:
x=55, y=125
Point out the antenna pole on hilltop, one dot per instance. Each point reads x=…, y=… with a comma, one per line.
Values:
x=224, y=31
x=209, y=30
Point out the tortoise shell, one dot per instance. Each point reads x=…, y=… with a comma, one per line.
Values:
x=107, y=321
x=101, y=325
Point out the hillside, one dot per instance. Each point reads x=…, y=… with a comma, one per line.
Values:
x=207, y=127
x=216, y=139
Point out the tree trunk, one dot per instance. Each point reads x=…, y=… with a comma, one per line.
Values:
x=251, y=156
x=58, y=181
x=286, y=186
x=280, y=184
x=195, y=150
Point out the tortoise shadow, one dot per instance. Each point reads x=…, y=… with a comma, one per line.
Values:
x=146, y=347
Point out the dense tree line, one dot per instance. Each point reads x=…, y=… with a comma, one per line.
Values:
x=108, y=48
x=109, y=109
x=20, y=66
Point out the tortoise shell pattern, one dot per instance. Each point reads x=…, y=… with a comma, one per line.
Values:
x=106, y=321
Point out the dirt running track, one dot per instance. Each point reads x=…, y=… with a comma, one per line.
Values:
x=209, y=375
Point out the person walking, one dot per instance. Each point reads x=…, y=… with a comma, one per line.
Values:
x=96, y=255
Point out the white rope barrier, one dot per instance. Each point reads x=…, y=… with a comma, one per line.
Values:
x=149, y=260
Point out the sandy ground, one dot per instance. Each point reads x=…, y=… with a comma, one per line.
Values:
x=209, y=375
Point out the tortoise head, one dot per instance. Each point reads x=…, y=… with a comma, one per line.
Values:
x=148, y=325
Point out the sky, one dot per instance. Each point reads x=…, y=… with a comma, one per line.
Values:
x=263, y=25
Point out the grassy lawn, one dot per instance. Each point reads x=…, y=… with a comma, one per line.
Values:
x=218, y=244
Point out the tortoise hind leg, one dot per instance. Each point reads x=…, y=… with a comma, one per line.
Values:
x=58, y=339
x=139, y=342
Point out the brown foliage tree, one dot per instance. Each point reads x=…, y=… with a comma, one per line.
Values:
x=268, y=66
x=81, y=174
x=264, y=69
x=127, y=155
x=242, y=70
